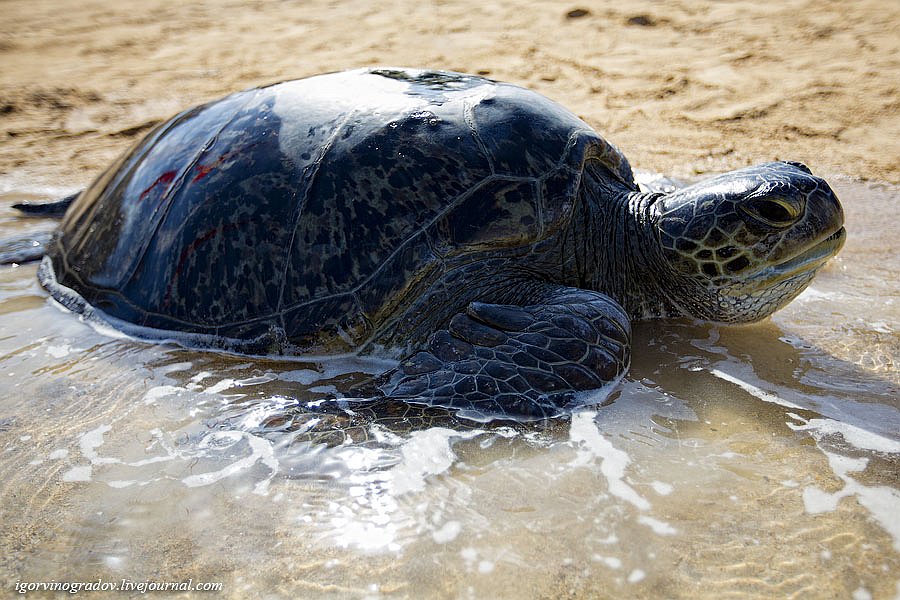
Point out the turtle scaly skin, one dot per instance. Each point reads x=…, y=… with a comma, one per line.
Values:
x=477, y=230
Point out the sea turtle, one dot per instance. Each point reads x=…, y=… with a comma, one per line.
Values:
x=478, y=231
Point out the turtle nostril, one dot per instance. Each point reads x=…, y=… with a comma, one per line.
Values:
x=777, y=212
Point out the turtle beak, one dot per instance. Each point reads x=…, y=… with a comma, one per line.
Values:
x=808, y=261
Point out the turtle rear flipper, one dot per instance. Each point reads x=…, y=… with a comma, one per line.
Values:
x=28, y=248
x=46, y=209
x=520, y=362
x=31, y=247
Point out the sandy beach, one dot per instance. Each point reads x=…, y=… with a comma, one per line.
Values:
x=682, y=87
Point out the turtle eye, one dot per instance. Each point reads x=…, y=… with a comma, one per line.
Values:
x=774, y=211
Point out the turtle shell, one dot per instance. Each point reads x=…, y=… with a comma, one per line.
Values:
x=308, y=209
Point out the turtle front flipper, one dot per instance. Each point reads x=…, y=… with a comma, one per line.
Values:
x=521, y=362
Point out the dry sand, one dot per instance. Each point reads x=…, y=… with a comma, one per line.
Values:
x=683, y=87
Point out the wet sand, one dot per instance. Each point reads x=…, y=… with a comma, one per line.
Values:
x=729, y=490
x=682, y=87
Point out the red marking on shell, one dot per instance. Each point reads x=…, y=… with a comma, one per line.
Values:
x=204, y=170
x=166, y=178
x=191, y=248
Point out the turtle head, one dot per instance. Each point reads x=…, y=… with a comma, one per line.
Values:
x=741, y=245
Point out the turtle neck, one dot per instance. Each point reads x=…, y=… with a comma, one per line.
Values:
x=615, y=238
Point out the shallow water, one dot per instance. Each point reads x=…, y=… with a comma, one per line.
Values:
x=761, y=461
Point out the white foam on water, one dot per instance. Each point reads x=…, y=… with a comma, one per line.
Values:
x=373, y=532
x=301, y=376
x=230, y=383
x=261, y=451
x=661, y=488
x=861, y=593
x=58, y=351
x=220, y=386
x=196, y=379
x=881, y=327
x=485, y=567
x=426, y=454
x=610, y=561
x=447, y=533
x=211, y=446
x=256, y=380
x=370, y=365
x=174, y=367
x=609, y=540
x=90, y=441
x=883, y=503
x=162, y=391
x=276, y=405
x=868, y=416
x=754, y=390
x=79, y=473
x=469, y=555
x=153, y=459
x=329, y=367
x=636, y=576
x=592, y=445
x=374, y=516
x=853, y=435
x=119, y=484
x=658, y=527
